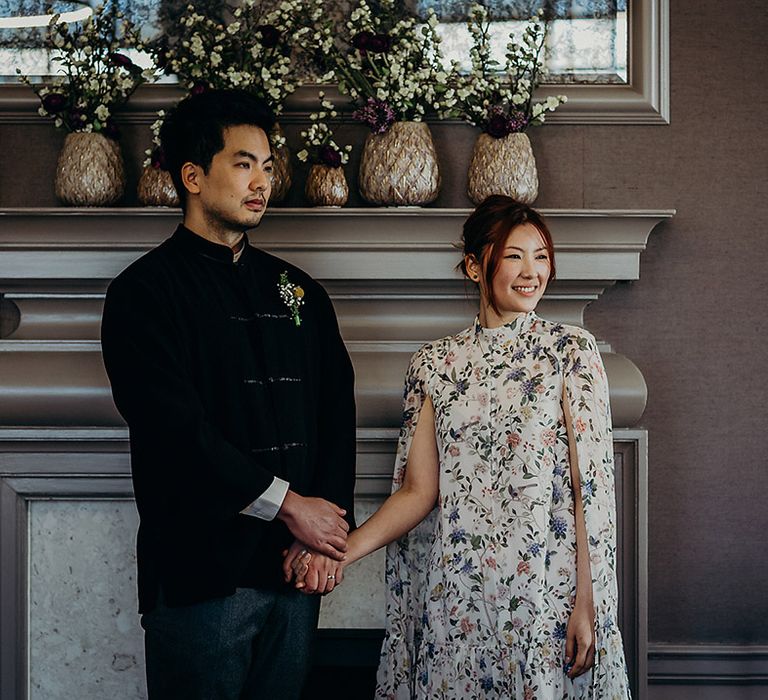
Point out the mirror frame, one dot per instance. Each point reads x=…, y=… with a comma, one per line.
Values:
x=644, y=99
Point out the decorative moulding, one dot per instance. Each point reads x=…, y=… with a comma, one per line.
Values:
x=390, y=273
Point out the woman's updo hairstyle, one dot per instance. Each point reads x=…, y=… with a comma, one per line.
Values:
x=486, y=231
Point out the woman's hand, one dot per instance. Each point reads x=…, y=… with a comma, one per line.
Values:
x=580, y=639
x=319, y=574
x=295, y=558
x=311, y=571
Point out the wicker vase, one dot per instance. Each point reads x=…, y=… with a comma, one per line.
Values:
x=326, y=186
x=90, y=171
x=503, y=166
x=281, y=168
x=156, y=188
x=400, y=167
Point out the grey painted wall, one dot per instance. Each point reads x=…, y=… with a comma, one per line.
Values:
x=694, y=323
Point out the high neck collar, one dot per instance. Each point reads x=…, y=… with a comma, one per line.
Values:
x=508, y=331
x=202, y=246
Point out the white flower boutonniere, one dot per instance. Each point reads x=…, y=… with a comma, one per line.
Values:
x=292, y=296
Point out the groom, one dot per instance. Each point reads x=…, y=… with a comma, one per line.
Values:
x=228, y=367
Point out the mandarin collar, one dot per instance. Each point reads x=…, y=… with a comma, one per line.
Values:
x=208, y=249
x=509, y=331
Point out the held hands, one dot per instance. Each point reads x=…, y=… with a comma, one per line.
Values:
x=580, y=639
x=313, y=571
x=316, y=522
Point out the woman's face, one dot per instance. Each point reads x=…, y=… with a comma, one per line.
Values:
x=520, y=278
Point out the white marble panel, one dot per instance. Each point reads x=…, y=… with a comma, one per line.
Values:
x=84, y=635
x=359, y=601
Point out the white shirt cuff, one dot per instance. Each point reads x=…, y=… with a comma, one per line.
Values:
x=266, y=506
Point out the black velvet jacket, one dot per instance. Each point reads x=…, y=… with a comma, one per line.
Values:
x=222, y=391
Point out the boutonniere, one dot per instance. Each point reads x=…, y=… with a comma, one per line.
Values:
x=292, y=296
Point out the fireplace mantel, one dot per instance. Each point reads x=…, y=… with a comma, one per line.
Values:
x=390, y=272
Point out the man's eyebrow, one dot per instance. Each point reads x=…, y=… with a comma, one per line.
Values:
x=251, y=156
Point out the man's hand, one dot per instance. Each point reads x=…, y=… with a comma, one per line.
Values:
x=316, y=522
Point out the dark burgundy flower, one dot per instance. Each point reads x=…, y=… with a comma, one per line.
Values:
x=54, y=102
x=498, y=125
x=328, y=155
x=198, y=89
x=157, y=159
x=270, y=35
x=110, y=130
x=379, y=43
x=75, y=118
x=360, y=41
x=119, y=59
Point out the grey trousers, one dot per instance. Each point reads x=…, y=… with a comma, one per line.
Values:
x=252, y=645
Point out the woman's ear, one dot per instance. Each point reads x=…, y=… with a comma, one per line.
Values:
x=473, y=267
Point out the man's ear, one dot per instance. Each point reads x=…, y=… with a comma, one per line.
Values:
x=191, y=175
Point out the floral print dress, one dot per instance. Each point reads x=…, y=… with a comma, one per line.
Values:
x=479, y=594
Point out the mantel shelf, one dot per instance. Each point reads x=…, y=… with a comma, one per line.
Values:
x=95, y=244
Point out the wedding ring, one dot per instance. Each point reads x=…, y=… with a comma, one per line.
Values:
x=331, y=577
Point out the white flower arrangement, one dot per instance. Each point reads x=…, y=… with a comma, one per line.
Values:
x=391, y=66
x=97, y=76
x=319, y=145
x=501, y=101
x=154, y=155
x=253, y=51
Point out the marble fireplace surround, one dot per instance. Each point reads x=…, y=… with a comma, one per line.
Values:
x=65, y=493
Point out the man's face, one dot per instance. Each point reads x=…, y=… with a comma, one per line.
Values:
x=235, y=191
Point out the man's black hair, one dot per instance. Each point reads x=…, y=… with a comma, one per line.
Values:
x=193, y=131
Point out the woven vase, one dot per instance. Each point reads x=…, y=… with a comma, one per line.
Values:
x=156, y=188
x=326, y=186
x=399, y=167
x=503, y=166
x=90, y=171
x=281, y=168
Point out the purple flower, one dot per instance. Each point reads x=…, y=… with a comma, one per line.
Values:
x=270, y=35
x=361, y=40
x=198, y=89
x=54, y=102
x=376, y=114
x=379, y=43
x=486, y=682
x=560, y=631
x=328, y=155
x=157, y=159
x=119, y=59
x=516, y=122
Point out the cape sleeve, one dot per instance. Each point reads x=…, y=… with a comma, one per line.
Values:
x=407, y=558
x=588, y=409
